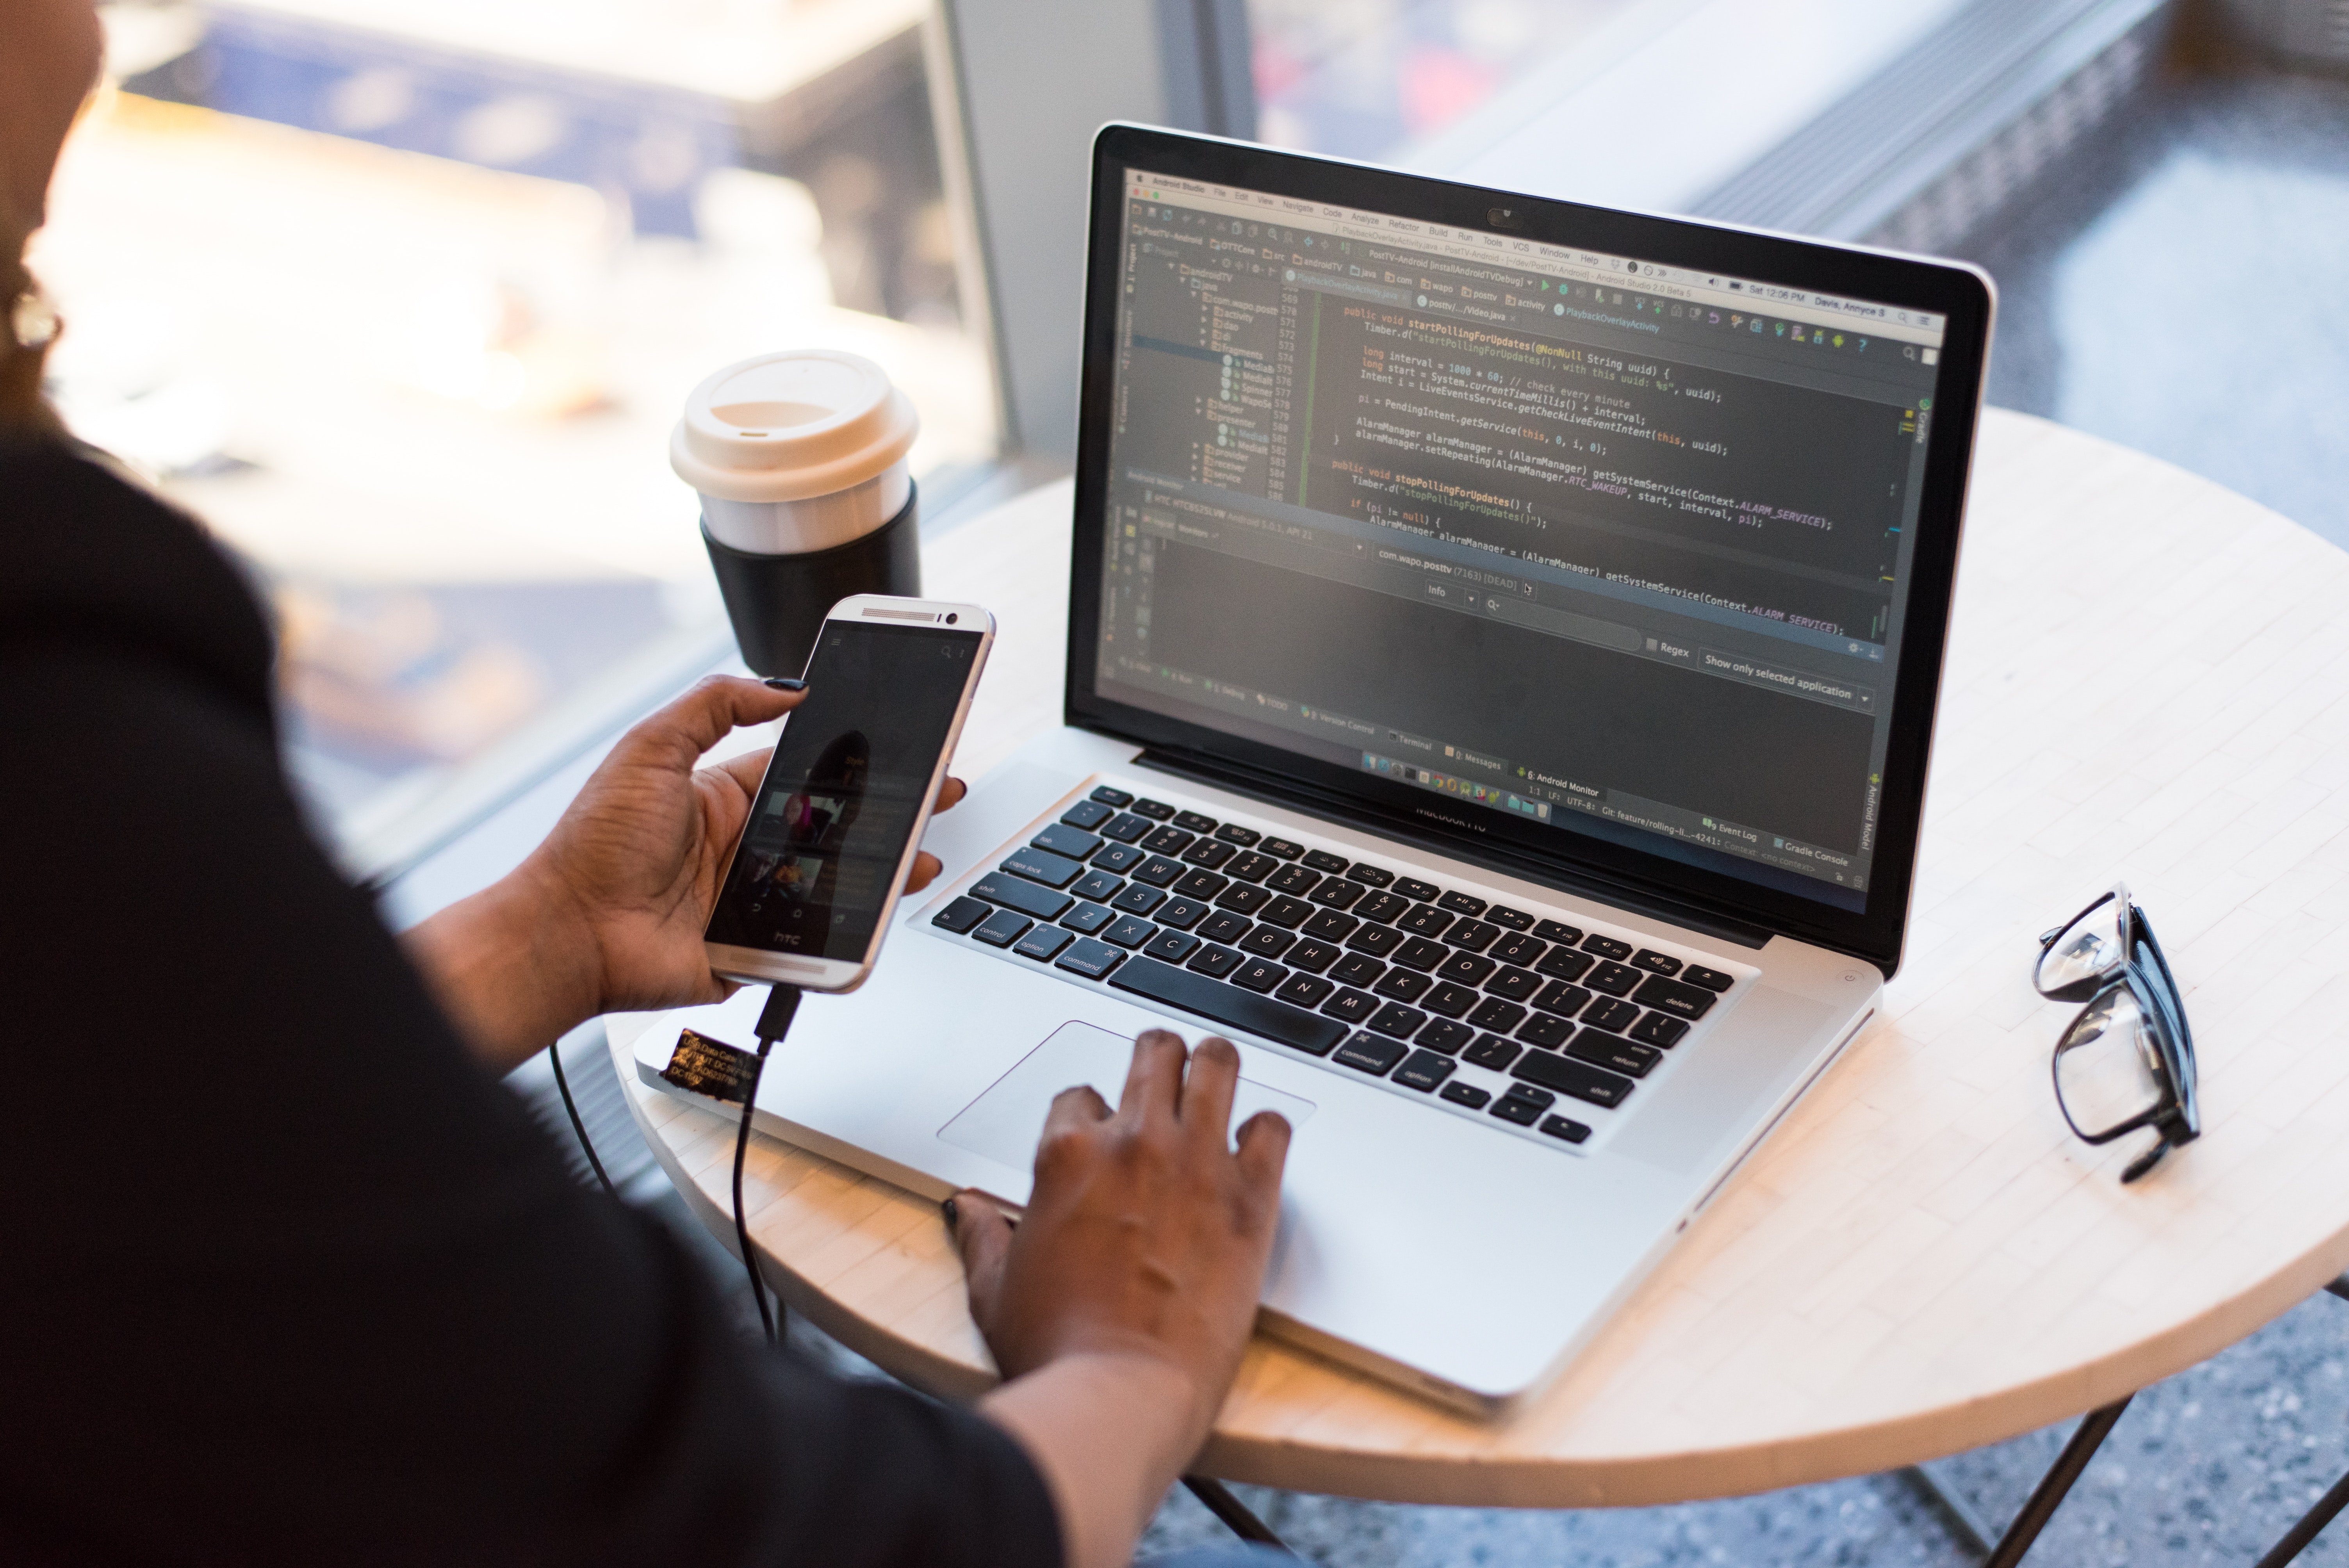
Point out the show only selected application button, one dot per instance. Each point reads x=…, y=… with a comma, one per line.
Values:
x=1794, y=682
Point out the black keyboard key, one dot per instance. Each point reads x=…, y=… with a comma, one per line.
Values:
x=1109, y=795
x=1281, y=849
x=1330, y=927
x=1098, y=886
x=1497, y=1015
x=1168, y=841
x=1383, y=907
x=1357, y=969
x=1251, y=867
x=1424, y=1071
x=1337, y=893
x=1656, y=1029
x=1209, y=853
x=1003, y=928
x=1260, y=975
x=1119, y=858
x=1043, y=943
x=1293, y=879
x=960, y=915
x=1214, y=961
x=1603, y=1049
x=1524, y=1104
x=1614, y=979
x=1243, y=898
x=1420, y=953
x=1449, y=1000
x=1467, y=969
x=1182, y=914
x=1370, y=876
x=1087, y=918
x=1156, y=811
x=1466, y=1094
x=1323, y=860
x=1402, y=984
x=1304, y=990
x=1158, y=870
x=1139, y=898
x=1311, y=956
x=1494, y=1052
x=1612, y=1013
x=1565, y=963
x=1473, y=936
x=1042, y=866
x=1130, y=933
x=1125, y=829
x=1194, y=821
x=1063, y=839
x=1546, y=1030
x=1427, y=921
x=1172, y=946
x=1088, y=815
x=1676, y=998
x=1515, y=984
x=1563, y=999
x=1565, y=1128
x=1200, y=884
x=1224, y=927
x=1655, y=962
x=1233, y=833
x=1416, y=891
x=1557, y=931
x=1605, y=946
x=1351, y=1007
x=1568, y=1077
x=1446, y=1036
x=1520, y=949
x=1228, y=1005
x=1371, y=1054
x=1378, y=941
x=1266, y=942
x=1286, y=913
x=1398, y=1020
x=1509, y=919
x=1038, y=904
x=1461, y=903
x=1711, y=979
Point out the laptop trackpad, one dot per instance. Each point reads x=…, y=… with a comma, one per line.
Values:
x=1005, y=1123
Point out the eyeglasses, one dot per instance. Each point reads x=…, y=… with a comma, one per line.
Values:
x=2127, y=1060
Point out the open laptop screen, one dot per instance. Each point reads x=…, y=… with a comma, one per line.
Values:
x=1610, y=547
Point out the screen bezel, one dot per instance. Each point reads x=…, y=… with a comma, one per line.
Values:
x=1964, y=294
x=760, y=965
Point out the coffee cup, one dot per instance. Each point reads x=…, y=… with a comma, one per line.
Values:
x=798, y=458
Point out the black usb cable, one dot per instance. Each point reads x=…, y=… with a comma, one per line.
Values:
x=774, y=1023
x=586, y=1144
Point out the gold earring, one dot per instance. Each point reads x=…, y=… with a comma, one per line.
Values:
x=34, y=320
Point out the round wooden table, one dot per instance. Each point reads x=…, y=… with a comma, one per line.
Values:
x=2146, y=682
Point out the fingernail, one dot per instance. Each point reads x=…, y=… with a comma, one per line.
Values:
x=953, y=1214
x=786, y=683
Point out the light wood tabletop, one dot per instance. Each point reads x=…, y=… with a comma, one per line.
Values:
x=2147, y=682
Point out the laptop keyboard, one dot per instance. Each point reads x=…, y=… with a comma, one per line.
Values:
x=1494, y=1010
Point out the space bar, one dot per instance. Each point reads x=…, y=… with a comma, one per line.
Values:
x=1228, y=1005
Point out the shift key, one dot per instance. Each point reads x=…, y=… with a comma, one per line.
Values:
x=1037, y=903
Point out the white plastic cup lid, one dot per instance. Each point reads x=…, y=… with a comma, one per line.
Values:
x=790, y=426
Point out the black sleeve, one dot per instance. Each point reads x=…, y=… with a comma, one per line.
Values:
x=289, y=1278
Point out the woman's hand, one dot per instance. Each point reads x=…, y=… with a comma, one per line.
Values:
x=607, y=913
x=1120, y=1305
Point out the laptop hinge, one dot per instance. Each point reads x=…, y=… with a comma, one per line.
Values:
x=1331, y=807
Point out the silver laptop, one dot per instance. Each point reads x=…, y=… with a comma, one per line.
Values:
x=1502, y=650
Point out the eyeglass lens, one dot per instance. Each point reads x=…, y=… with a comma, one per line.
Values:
x=2088, y=947
x=2108, y=1066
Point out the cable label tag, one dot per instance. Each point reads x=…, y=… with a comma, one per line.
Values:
x=702, y=1066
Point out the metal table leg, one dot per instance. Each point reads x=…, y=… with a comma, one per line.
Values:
x=1235, y=1513
x=1968, y=1526
x=2312, y=1523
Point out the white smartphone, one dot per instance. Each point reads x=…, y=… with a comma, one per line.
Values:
x=837, y=822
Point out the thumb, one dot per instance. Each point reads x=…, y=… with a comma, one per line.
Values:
x=982, y=1234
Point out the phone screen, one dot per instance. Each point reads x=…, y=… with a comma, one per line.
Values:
x=831, y=820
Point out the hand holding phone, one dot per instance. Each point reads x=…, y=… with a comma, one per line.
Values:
x=837, y=821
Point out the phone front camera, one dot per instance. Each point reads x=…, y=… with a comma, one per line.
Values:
x=952, y=619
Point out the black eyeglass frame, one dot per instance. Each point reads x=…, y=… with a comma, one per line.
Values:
x=2177, y=1115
